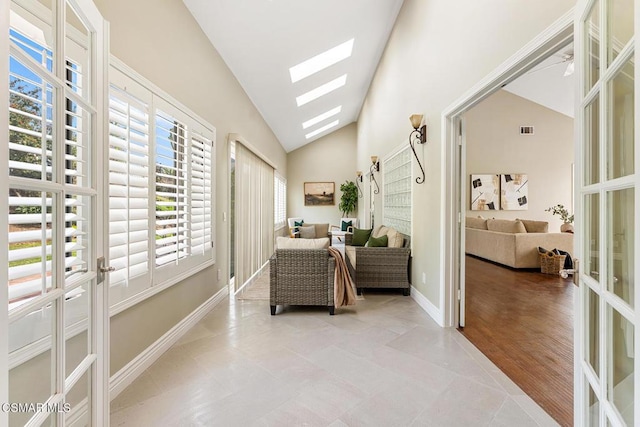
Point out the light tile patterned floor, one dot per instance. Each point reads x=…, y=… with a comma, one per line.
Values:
x=382, y=363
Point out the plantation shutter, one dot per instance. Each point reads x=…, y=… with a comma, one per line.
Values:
x=172, y=210
x=129, y=172
x=201, y=233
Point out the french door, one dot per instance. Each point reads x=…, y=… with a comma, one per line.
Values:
x=57, y=313
x=608, y=205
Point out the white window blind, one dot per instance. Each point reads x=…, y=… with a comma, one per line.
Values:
x=172, y=209
x=397, y=194
x=129, y=174
x=201, y=206
x=280, y=203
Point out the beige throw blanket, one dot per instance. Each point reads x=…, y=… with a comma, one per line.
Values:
x=342, y=285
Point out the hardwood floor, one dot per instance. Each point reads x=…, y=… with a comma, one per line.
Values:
x=523, y=322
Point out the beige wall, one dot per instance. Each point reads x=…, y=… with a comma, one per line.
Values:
x=162, y=41
x=437, y=51
x=494, y=145
x=328, y=159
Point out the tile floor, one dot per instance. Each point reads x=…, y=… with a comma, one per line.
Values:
x=382, y=363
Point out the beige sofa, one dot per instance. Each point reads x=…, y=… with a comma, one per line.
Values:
x=512, y=243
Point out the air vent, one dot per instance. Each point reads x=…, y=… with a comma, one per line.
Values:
x=526, y=130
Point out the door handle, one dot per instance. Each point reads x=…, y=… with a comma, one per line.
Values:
x=103, y=269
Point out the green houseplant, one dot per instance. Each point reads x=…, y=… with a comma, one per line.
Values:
x=349, y=198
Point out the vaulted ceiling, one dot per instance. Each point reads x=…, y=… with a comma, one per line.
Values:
x=260, y=40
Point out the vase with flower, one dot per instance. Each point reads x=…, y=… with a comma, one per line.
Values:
x=567, y=220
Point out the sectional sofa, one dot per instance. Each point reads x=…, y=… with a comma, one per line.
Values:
x=513, y=243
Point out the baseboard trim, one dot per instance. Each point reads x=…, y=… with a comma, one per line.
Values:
x=426, y=305
x=132, y=370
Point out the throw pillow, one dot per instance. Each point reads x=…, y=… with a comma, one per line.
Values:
x=344, y=226
x=360, y=236
x=380, y=231
x=378, y=242
x=395, y=239
x=308, y=232
x=479, y=223
x=535, y=226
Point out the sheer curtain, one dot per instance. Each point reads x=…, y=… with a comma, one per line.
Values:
x=253, y=214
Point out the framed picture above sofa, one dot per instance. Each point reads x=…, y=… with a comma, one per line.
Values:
x=319, y=193
x=485, y=191
x=514, y=192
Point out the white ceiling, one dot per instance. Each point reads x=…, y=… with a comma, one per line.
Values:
x=261, y=39
x=546, y=84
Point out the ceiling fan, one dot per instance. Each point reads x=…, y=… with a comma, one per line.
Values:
x=566, y=58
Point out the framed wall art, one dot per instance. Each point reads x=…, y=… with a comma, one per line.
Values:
x=485, y=191
x=514, y=192
x=319, y=193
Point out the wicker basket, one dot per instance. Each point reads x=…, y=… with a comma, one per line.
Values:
x=551, y=263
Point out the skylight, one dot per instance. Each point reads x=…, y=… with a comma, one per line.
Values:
x=322, y=129
x=321, y=90
x=321, y=61
x=321, y=117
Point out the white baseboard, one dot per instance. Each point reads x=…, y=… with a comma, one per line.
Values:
x=132, y=370
x=426, y=305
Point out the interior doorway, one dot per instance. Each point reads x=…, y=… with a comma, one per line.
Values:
x=458, y=182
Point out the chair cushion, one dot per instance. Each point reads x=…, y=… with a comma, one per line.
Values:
x=287, y=243
x=378, y=242
x=322, y=230
x=344, y=225
x=307, y=232
x=360, y=236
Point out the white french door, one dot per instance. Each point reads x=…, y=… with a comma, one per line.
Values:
x=607, y=236
x=57, y=313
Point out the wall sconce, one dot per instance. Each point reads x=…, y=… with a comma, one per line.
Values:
x=375, y=167
x=358, y=181
x=418, y=135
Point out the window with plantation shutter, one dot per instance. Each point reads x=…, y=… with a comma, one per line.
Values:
x=161, y=189
x=129, y=161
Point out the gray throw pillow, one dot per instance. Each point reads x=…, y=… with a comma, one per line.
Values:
x=307, y=232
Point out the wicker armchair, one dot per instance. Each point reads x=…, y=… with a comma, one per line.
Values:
x=381, y=267
x=302, y=277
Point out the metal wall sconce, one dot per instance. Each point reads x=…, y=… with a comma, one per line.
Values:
x=375, y=167
x=417, y=136
x=358, y=181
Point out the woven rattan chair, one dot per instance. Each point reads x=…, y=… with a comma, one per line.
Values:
x=381, y=267
x=302, y=277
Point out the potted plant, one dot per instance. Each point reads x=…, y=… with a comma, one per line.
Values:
x=349, y=198
x=567, y=220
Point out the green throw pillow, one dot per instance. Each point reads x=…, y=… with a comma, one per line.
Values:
x=345, y=225
x=298, y=224
x=378, y=242
x=360, y=236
